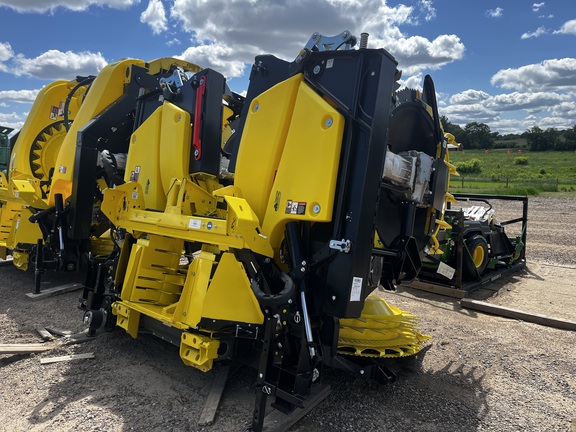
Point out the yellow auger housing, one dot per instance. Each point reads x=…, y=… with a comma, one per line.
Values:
x=31, y=166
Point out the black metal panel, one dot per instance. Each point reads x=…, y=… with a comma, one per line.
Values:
x=111, y=130
x=210, y=121
x=361, y=84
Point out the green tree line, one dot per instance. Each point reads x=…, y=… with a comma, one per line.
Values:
x=479, y=136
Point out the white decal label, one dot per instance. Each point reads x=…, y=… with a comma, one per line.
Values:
x=356, y=290
x=445, y=270
x=194, y=223
x=329, y=63
x=62, y=169
x=134, y=195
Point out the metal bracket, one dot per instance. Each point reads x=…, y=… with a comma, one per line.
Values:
x=318, y=42
x=341, y=245
x=176, y=80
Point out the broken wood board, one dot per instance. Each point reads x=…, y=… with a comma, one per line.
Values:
x=436, y=289
x=24, y=348
x=518, y=314
x=44, y=334
x=213, y=400
x=49, y=292
x=48, y=360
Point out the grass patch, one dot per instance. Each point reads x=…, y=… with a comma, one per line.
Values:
x=506, y=171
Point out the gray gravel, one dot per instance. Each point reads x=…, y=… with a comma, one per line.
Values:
x=479, y=372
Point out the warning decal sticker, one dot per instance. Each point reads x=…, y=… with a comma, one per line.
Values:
x=295, y=207
x=445, y=270
x=54, y=112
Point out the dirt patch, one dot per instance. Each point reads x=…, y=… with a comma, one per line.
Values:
x=479, y=372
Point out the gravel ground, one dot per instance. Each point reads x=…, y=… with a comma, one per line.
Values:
x=479, y=372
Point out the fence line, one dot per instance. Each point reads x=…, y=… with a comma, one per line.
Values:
x=469, y=182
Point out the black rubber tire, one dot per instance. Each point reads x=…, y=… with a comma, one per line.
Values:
x=475, y=258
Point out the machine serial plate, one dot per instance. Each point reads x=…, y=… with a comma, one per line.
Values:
x=356, y=290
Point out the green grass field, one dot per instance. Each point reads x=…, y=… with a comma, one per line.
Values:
x=500, y=173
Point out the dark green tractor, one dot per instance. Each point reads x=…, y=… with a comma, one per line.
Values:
x=476, y=244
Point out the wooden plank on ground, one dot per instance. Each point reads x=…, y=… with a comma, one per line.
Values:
x=44, y=334
x=277, y=421
x=49, y=292
x=518, y=314
x=213, y=400
x=436, y=289
x=24, y=348
x=66, y=358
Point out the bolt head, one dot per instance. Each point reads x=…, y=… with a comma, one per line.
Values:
x=316, y=70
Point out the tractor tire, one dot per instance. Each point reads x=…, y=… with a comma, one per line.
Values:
x=475, y=258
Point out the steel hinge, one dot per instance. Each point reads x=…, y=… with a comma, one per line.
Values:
x=341, y=245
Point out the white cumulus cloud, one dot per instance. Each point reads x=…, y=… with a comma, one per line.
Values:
x=569, y=27
x=6, y=52
x=469, y=97
x=40, y=6
x=531, y=102
x=428, y=9
x=564, y=109
x=495, y=13
x=21, y=96
x=12, y=120
x=473, y=112
x=283, y=28
x=216, y=56
x=548, y=75
x=536, y=33
x=55, y=64
x=537, y=6
x=155, y=16
x=417, y=53
x=9, y=117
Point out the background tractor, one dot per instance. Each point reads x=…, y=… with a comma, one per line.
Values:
x=476, y=248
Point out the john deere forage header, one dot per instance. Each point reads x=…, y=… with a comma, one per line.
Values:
x=255, y=229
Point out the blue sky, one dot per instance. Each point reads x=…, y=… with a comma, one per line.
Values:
x=510, y=64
